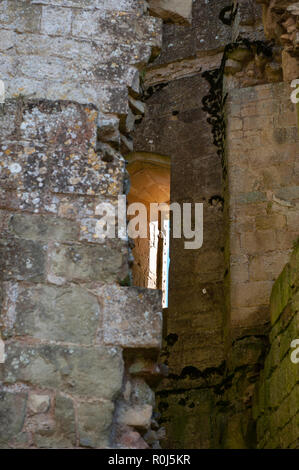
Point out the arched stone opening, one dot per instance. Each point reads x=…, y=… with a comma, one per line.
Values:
x=150, y=185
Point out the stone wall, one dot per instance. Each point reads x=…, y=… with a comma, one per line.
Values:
x=218, y=317
x=261, y=208
x=176, y=125
x=81, y=344
x=276, y=403
x=69, y=318
x=281, y=25
x=262, y=151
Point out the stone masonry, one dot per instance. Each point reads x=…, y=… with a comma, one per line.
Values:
x=217, y=323
x=207, y=83
x=277, y=393
x=262, y=151
x=68, y=315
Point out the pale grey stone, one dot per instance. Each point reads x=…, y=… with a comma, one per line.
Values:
x=68, y=314
x=95, y=423
x=56, y=20
x=88, y=372
x=132, y=316
x=12, y=415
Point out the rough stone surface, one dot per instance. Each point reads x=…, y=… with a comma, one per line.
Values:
x=276, y=396
x=38, y=403
x=90, y=372
x=69, y=68
x=74, y=314
x=81, y=344
x=174, y=11
x=87, y=263
x=12, y=414
x=263, y=196
x=213, y=348
x=55, y=36
x=132, y=317
x=94, y=424
x=138, y=416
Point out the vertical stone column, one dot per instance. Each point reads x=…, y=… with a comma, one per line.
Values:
x=262, y=143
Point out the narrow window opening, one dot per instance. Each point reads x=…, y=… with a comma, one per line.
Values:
x=150, y=184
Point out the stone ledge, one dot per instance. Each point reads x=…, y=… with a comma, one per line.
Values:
x=174, y=11
x=132, y=316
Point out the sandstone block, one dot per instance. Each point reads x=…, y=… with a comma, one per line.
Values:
x=132, y=317
x=251, y=294
x=259, y=241
x=268, y=266
x=56, y=20
x=12, y=415
x=68, y=314
x=22, y=259
x=176, y=11
x=141, y=393
x=36, y=227
x=90, y=372
x=20, y=16
x=88, y=263
x=65, y=419
x=95, y=421
x=38, y=403
x=274, y=221
x=138, y=416
x=59, y=431
x=251, y=197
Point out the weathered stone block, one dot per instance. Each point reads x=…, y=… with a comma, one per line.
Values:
x=57, y=431
x=274, y=221
x=89, y=372
x=68, y=314
x=56, y=20
x=265, y=267
x=251, y=197
x=36, y=227
x=65, y=419
x=141, y=393
x=69, y=165
x=95, y=423
x=88, y=263
x=138, y=416
x=132, y=317
x=12, y=415
x=20, y=16
x=122, y=5
x=22, y=260
x=251, y=294
x=102, y=27
x=38, y=403
x=280, y=294
x=176, y=11
x=259, y=241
